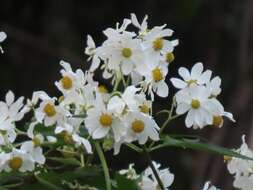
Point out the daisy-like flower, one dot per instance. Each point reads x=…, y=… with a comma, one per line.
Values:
x=242, y=169
x=70, y=80
x=207, y=186
x=123, y=53
x=155, y=43
x=18, y=160
x=149, y=181
x=195, y=77
x=10, y=112
x=49, y=113
x=3, y=36
x=155, y=74
x=200, y=107
x=100, y=121
x=70, y=131
x=140, y=127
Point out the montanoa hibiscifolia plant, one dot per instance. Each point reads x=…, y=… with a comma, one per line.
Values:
x=62, y=135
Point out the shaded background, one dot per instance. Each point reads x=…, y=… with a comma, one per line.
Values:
x=215, y=32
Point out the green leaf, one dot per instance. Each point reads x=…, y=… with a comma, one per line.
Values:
x=67, y=161
x=47, y=183
x=125, y=184
x=197, y=145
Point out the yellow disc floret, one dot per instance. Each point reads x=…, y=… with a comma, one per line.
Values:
x=144, y=108
x=217, y=120
x=158, y=44
x=66, y=82
x=170, y=57
x=190, y=82
x=102, y=89
x=157, y=75
x=15, y=163
x=49, y=109
x=195, y=104
x=126, y=52
x=105, y=120
x=138, y=126
x=36, y=142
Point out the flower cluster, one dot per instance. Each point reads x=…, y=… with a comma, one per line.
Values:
x=242, y=170
x=88, y=114
x=197, y=96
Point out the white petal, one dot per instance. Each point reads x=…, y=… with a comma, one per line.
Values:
x=9, y=98
x=196, y=70
x=182, y=108
x=162, y=89
x=100, y=132
x=184, y=73
x=178, y=83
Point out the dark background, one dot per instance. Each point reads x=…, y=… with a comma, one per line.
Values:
x=215, y=32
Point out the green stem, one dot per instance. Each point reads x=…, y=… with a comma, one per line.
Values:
x=158, y=179
x=82, y=160
x=104, y=165
x=134, y=147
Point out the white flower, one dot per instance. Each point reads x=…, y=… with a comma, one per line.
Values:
x=149, y=181
x=242, y=169
x=70, y=130
x=49, y=113
x=208, y=187
x=140, y=127
x=130, y=172
x=122, y=53
x=155, y=74
x=143, y=27
x=195, y=77
x=18, y=160
x=101, y=121
x=93, y=53
x=200, y=107
x=3, y=36
x=70, y=80
x=10, y=112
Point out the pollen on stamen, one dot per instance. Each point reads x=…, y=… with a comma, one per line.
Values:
x=191, y=82
x=102, y=89
x=15, y=163
x=49, y=110
x=105, y=120
x=158, y=44
x=217, y=121
x=144, y=109
x=138, y=126
x=126, y=52
x=195, y=104
x=66, y=82
x=170, y=57
x=157, y=75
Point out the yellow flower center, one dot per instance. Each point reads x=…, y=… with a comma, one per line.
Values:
x=67, y=138
x=102, y=89
x=49, y=109
x=36, y=142
x=105, y=120
x=158, y=44
x=138, y=126
x=195, y=104
x=66, y=82
x=157, y=75
x=190, y=82
x=126, y=52
x=15, y=163
x=170, y=57
x=217, y=120
x=144, y=108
